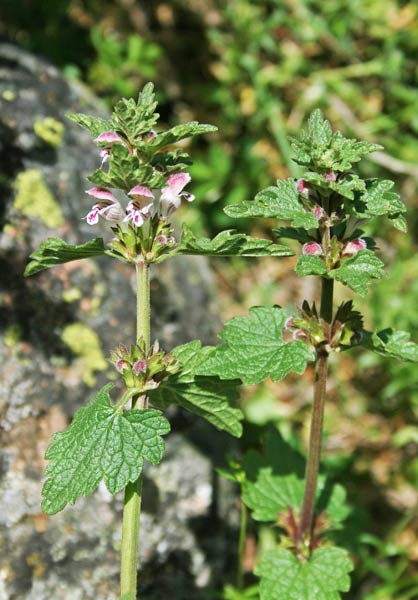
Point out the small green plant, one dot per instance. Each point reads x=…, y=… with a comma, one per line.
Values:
x=325, y=211
x=106, y=440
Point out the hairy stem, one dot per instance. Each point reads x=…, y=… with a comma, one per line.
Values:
x=315, y=438
x=133, y=491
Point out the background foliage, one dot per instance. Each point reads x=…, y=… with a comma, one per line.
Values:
x=256, y=69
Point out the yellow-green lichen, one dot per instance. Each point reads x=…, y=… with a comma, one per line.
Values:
x=50, y=130
x=13, y=335
x=34, y=198
x=71, y=295
x=85, y=344
x=8, y=95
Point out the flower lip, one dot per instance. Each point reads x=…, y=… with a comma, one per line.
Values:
x=108, y=137
x=312, y=248
x=101, y=194
x=141, y=190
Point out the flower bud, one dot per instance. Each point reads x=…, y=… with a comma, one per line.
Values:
x=354, y=246
x=330, y=176
x=318, y=212
x=312, y=248
x=289, y=323
x=121, y=365
x=140, y=366
x=302, y=187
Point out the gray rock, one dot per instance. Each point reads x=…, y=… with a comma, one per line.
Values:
x=57, y=330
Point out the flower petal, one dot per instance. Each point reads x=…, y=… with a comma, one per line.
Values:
x=108, y=137
x=101, y=194
x=177, y=182
x=141, y=190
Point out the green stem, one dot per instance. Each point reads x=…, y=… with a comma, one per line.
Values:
x=315, y=438
x=241, y=546
x=133, y=491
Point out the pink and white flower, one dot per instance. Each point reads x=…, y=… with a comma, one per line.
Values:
x=141, y=207
x=108, y=207
x=318, y=212
x=172, y=194
x=331, y=176
x=312, y=248
x=354, y=246
x=302, y=187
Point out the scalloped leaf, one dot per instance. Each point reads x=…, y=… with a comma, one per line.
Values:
x=208, y=397
x=310, y=265
x=358, y=271
x=134, y=119
x=378, y=199
x=280, y=202
x=322, y=577
x=55, y=251
x=395, y=344
x=101, y=443
x=346, y=186
x=229, y=243
x=180, y=132
x=254, y=349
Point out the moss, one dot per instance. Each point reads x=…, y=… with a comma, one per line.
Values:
x=71, y=295
x=50, y=130
x=8, y=95
x=85, y=344
x=34, y=199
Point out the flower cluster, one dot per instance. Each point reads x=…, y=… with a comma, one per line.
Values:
x=142, y=369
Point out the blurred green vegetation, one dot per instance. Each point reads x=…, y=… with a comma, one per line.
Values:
x=256, y=69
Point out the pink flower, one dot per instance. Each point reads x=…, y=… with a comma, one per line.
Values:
x=354, y=246
x=312, y=248
x=122, y=364
x=104, y=155
x=330, y=176
x=108, y=137
x=299, y=334
x=140, y=208
x=302, y=187
x=171, y=194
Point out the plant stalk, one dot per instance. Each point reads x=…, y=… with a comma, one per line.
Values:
x=241, y=546
x=133, y=491
x=315, y=439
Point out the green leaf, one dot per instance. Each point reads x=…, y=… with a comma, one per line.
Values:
x=320, y=149
x=94, y=125
x=358, y=271
x=254, y=349
x=179, y=132
x=378, y=200
x=101, y=443
x=396, y=344
x=310, y=265
x=271, y=494
x=322, y=577
x=125, y=172
x=55, y=251
x=229, y=243
x=281, y=202
x=134, y=119
x=170, y=162
x=208, y=397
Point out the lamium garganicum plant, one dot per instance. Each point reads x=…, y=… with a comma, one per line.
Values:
x=138, y=186
x=326, y=211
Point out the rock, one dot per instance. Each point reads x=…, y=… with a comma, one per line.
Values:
x=57, y=330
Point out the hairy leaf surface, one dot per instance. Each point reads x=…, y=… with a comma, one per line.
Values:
x=101, y=443
x=254, y=349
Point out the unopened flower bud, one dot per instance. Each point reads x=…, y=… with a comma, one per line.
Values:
x=140, y=366
x=330, y=176
x=150, y=136
x=302, y=187
x=354, y=246
x=318, y=212
x=312, y=248
x=162, y=239
x=289, y=323
x=122, y=364
x=108, y=137
x=299, y=334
